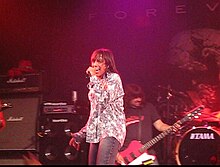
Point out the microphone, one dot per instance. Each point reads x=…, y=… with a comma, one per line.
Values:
x=88, y=74
x=74, y=96
x=98, y=68
x=6, y=105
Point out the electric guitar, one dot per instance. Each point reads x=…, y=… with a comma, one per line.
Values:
x=136, y=153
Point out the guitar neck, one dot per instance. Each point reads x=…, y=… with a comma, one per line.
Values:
x=168, y=131
x=155, y=140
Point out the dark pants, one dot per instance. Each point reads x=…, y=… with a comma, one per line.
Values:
x=153, y=152
x=104, y=152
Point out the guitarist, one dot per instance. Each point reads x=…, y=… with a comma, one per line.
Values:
x=140, y=116
x=2, y=119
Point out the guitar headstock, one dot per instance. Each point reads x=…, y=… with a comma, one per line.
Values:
x=194, y=113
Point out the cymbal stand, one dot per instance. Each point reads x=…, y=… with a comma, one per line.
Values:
x=167, y=149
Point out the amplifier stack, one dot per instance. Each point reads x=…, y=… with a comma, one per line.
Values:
x=24, y=93
x=57, y=121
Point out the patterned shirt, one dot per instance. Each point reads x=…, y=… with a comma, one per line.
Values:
x=107, y=118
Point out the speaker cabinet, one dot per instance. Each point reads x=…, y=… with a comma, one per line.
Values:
x=54, y=139
x=21, y=123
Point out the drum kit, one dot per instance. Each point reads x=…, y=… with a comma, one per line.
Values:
x=198, y=141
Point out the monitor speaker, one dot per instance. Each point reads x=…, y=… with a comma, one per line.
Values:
x=54, y=139
x=21, y=123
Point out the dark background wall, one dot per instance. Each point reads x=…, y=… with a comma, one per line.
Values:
x=159, y=44
x=58, y=36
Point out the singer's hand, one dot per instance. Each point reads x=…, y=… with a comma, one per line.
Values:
x=90, y=71
x=73, y=142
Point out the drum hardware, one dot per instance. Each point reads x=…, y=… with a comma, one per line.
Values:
x=171, y=104
x=171, y=92
x=166, y=114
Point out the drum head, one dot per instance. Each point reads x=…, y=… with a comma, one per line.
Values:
x=199, y=146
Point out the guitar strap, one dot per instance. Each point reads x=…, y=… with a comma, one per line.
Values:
x=139, y=126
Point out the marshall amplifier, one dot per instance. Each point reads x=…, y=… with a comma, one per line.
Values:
x=26, y=83
x=21, y=123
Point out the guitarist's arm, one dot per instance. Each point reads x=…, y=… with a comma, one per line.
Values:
x=161, y=126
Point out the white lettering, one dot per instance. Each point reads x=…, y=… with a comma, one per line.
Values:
x=17, y=80
x=202, y=136
x=151, y=12
x=214, y=7
x=60, y=120
x=14, y=119
x=180, y=9
x=55, y=104
x=192, y=136
x=120, y=15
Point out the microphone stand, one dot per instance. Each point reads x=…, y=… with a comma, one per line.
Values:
x=74, y=99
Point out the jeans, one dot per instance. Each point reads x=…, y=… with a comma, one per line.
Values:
x=104, y=152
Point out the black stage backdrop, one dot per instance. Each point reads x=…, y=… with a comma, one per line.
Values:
x=155, y=42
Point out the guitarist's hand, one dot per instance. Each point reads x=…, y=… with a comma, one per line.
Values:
x=176, y=127
x=120, y=159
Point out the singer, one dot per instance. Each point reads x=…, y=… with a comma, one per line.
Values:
x=2, y=119
x=105, y=129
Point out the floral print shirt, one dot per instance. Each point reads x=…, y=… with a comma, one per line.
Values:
x=107, y=118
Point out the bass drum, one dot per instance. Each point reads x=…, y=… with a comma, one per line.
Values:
x=199, y=146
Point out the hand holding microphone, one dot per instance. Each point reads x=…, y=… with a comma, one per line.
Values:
x=88, y=71
x=92, y=70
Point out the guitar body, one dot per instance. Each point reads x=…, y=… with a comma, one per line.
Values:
x=133, y=156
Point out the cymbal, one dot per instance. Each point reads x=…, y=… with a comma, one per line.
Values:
x=172, y=91
x=216, y=114
x=207, y=119
x=212, y=119
x=194, y=97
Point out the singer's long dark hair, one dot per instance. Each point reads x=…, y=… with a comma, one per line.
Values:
x=104, y=55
